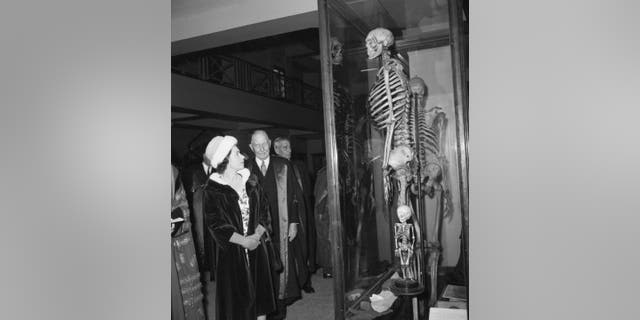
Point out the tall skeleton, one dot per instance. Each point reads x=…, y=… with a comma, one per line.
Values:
x=345, y=124
x=389, y=105
x=397, y=108
x=432, y=162
x=350, y=142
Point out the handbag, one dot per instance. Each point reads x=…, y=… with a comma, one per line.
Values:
x=274, y=256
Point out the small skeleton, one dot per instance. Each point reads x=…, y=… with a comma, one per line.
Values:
x=404, y=242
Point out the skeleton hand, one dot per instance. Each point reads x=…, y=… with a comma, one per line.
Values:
x=429, y=189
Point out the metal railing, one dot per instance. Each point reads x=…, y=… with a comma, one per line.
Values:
x=238, y=74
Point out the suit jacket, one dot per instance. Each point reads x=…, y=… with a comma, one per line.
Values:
x=302, y=177
x=286, y=206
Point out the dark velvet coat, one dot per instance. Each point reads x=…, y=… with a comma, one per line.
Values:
x=288, y=283
x=244, y=289
x=323, y=222
x=302, y=176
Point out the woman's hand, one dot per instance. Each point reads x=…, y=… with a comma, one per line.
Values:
x=255, y=236
x=250, y=243
x=260, y=230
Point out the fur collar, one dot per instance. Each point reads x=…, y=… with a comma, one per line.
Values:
x=244, y=173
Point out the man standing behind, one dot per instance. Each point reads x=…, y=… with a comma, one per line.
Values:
x=282, y=147
x=286, y=205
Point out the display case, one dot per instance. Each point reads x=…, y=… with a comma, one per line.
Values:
x=394, y=91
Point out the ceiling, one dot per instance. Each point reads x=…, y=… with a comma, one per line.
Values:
x=196, y=30
x=180, y=8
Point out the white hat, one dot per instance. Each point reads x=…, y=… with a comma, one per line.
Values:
x=218, y=149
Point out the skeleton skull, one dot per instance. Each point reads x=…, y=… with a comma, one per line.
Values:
x=336, y=51
x=377, y=40
x=417, y=85
x=399, y=157
x=404, y=213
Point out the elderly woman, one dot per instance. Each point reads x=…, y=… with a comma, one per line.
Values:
x=238, y=219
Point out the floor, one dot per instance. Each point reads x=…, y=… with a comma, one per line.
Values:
x=312, y=306
x=317, y=305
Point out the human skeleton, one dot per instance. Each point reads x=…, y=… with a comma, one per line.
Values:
x=344, y=122
x=389, y=102
x=396, y=106
x=404, y=241
x=430, y=126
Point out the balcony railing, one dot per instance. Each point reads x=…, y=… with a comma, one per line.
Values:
x=238, y=74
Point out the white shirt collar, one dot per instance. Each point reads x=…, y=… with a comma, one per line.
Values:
x=266, y=162
x=205, y=167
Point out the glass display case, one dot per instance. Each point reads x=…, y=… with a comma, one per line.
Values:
x=394, y=90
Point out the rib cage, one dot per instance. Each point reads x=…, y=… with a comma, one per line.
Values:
x=388, y=105
x=379, y=101
x=342, y=106
x=344, y=133
x=430, y=129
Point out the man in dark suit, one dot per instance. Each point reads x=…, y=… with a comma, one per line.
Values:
x=286, y=204
x=282, y=147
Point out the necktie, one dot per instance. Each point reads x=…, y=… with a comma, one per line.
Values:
x=263, y=168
